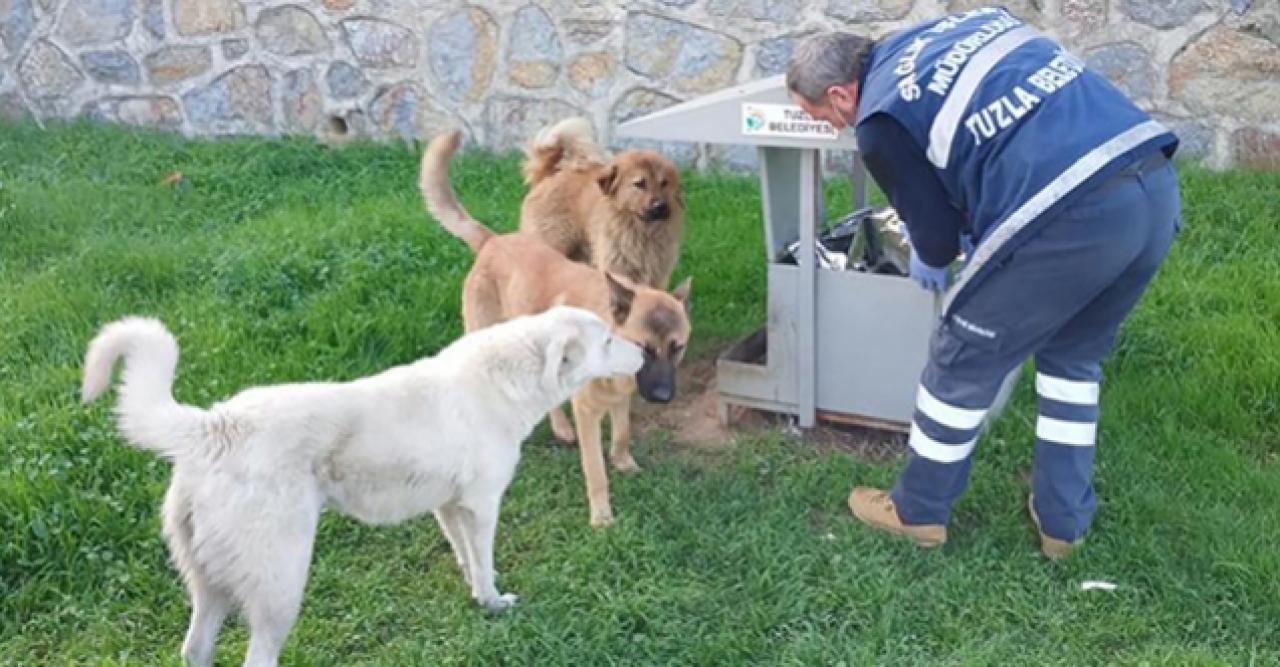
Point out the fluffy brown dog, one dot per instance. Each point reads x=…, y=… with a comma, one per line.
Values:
x=624, y=215
x=515, y=274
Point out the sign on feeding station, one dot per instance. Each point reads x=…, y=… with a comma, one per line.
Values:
x=783, y=120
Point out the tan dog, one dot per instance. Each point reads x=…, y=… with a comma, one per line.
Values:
x=624, y=215
x=516, y=274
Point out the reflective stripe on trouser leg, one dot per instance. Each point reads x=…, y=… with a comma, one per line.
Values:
x=946, y=423
x=1069, y=365
x=1066, y=435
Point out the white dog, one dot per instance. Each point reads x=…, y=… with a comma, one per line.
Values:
x=252, y=474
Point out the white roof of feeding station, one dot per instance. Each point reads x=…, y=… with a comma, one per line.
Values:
x=755, y=113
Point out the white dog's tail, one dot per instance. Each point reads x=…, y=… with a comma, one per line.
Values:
x=437, y=192
x=570, y=140
x=149, y=416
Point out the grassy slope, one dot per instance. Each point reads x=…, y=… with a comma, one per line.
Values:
x=280, y=262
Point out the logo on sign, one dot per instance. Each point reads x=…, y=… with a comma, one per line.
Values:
x=784, y=120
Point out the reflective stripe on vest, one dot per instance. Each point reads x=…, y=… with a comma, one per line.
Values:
x=1049, y=195
x=943, y=131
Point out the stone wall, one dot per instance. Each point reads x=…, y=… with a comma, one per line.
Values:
x=501, y=68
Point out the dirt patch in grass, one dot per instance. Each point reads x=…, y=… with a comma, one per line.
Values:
x=693, y=419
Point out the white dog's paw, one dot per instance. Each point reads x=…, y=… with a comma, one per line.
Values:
x=626, y=464
x=601, y=519
x=500, y=602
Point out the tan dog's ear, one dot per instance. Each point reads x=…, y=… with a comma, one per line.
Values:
x=619, y=298
x=681, y=292
x=608, y=181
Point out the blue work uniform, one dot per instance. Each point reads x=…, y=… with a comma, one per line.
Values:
x=977, y=123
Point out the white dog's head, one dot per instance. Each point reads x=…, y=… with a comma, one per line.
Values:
x=541, y=360
x=580, y=347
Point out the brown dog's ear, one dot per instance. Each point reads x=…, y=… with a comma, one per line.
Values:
x=619, y=298
x=681, y=292
x=608, y=181
x=677, y=190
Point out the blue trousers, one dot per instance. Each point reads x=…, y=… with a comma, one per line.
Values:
x=1060, y=297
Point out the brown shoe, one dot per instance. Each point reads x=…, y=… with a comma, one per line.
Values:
x=875, y=508
x=1052, y=547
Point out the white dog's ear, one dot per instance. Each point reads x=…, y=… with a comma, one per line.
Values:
x=564, y=353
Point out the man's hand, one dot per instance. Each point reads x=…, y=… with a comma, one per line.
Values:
x=927, y=276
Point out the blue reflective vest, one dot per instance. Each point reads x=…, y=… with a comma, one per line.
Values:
x=1012, y=122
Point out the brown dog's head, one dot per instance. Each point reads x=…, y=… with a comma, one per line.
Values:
x=659, y=323
x=644, y=184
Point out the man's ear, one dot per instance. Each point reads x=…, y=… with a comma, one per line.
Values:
x=620, y=298
x=840, y=93
x=608, y=181
x=834, y=91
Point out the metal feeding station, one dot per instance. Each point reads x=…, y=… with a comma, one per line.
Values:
x=839, y=344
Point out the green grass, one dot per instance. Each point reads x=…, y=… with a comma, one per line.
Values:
x=285, y=261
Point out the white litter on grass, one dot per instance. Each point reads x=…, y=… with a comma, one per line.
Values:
x=1097, y=586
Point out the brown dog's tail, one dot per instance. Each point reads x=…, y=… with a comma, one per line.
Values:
x=437, y=192
x=569, y=140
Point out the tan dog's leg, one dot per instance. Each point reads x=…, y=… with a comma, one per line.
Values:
x=562, y=427
x=620, y=424
x=588, y=419
x=481, y=303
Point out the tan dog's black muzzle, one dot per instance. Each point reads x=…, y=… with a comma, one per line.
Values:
x=656, y=379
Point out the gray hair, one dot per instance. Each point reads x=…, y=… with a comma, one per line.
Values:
x=825, y=60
